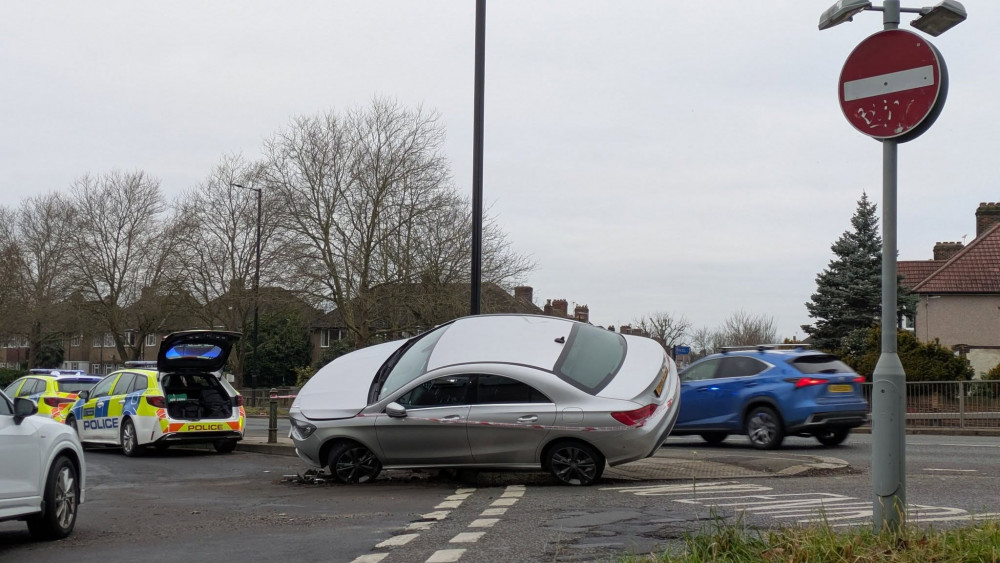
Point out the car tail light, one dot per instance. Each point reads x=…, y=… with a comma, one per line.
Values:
x=806, y=381
x=858, y=379
x=56, y=401
x=637, y=417
x=157, y=401
x=238, y=400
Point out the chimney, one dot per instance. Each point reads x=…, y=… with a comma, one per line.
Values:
x=524, y=293
x=945, y=250
x=581, y=313
x=560, y=307
x=987, y=215
x=547, y=309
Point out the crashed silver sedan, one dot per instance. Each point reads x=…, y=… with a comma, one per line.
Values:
x=490, y=391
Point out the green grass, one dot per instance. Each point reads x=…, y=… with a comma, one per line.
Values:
x=735, y=543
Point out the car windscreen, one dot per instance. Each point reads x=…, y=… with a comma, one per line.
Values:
x=74, y=386
x=820, y=363
x=591, y=358
x=410, y=364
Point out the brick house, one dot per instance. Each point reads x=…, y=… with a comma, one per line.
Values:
x=959, y=293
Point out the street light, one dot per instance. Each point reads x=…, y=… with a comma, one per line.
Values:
x=933, y=20
x=940, y=18
x=256, y=290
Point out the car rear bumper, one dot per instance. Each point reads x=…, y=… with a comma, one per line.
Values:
x=822, y=420
x=199, y=437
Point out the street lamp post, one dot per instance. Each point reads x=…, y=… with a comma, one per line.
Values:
x=256, y=288
x=889, y=378
x=477, y=161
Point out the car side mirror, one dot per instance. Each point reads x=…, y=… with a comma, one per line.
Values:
x=395, y=410
x=23, y=408
x=83, y=395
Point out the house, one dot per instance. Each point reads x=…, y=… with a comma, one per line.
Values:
x=959, y=293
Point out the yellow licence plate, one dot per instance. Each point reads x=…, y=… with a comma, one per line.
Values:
x=659, y=388
x=841, y=389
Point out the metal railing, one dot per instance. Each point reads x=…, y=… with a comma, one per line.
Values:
x=261, y=396
x=950, y=404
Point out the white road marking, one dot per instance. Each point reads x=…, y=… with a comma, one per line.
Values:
x=484, y=522
x=438, y=515
x=504, y=502
x=494, y=512
x=709, y=488
x=449, y=504
x=457, y=496
x=420, y=525
x=370, y=558
x=465, y=491
x=467, y=537
x=396, y=541
x=513, y=493
x=952, y=470
x=445, y=556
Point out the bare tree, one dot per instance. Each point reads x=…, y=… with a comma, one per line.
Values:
x=38, y=234
x=665, y=328
x=745, y=329
x=703, y=342
x=220, y=243
x=367, y=206
x=124, y=249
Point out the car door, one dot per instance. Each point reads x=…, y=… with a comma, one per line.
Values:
x=733, y=382
x=433, y=432
x=697, y=393
x=508, y=420
x=20, y=462
x=95, y=424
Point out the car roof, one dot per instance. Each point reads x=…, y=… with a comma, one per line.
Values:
x=783, y=352
x=56, y=374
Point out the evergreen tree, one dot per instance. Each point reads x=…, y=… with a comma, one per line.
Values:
x=848, y=294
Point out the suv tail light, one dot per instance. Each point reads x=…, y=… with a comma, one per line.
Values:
x=806, y=381
x=56, y=401
x=858, y=379
x=157, y=401
x=238, y=401
x=637, y=417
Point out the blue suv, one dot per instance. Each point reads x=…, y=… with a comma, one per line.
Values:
x=769, y=392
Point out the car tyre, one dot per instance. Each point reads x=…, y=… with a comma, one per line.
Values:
x=130, y=440
x=764, y=428
x=350, y=462
x=833, y=437
x=574, y=463
x=62, y=497
x=225, y=446
x=714, y=437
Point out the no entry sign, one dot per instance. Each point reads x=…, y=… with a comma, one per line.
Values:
x=893, y=85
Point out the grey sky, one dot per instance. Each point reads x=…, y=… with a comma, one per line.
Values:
x=687, y=157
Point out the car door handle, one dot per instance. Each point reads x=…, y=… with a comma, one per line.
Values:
x=121, y=402
x=752, y=384
x=451, y=418
x=703, y=389
x=527, y=419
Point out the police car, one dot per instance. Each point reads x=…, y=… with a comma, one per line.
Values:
x=181, y=400
x=53, y=391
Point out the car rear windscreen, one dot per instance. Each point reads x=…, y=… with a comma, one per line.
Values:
x=591, y=358
x=71, y=386
x=820, y=363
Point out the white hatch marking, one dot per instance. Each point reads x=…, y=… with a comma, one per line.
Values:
x=504, y=502
x=370, y=558
x=494, y=512
x=467, y=537
x=396, y=541
x=484, y=522
x=445, y=556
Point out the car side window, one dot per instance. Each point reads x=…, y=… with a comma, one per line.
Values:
x=5, y=407
x=449, y=390
x=740, y=366
x=699, y=371
x=497, y=389
x=124, y=384
x=9, y=391
x=31, y=386
x=141, y=383
x=103, y=388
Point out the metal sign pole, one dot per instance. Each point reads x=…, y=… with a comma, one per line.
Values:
x=889, y=379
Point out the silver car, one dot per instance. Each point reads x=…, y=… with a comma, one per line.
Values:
x=490, y=391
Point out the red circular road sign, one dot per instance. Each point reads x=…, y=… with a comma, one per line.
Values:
x=893, y=85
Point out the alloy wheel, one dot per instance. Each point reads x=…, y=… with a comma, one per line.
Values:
x=573, y=465
x=357, y=465
x=65, y=497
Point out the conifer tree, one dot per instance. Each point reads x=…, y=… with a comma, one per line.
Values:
x=849, y=291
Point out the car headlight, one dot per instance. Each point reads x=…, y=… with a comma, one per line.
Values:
x=302, y=429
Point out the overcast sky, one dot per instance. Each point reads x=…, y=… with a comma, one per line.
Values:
x=683, y=157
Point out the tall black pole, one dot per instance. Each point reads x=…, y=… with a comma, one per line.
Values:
x=477, y=161
x=256, y=299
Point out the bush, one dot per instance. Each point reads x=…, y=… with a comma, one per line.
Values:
x=7, y=376
x=922, y=361
x=993, y=374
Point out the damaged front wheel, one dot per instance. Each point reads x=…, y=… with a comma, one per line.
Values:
x=350, y=462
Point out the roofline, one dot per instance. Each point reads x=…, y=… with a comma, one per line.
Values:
x=975, y=242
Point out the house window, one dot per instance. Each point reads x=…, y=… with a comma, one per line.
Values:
x=130, y=338
x=324, y=338
x=109, y=340
x=150, y=340
x=76, y=341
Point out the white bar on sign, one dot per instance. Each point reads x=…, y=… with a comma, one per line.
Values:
x=889, y=83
